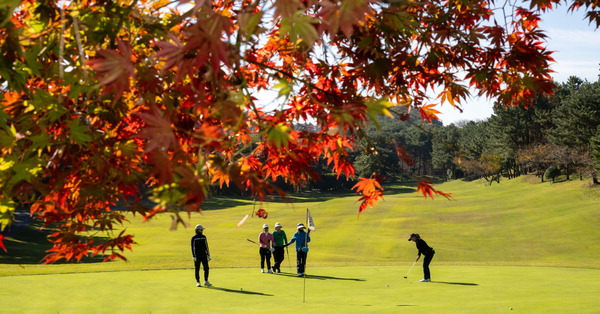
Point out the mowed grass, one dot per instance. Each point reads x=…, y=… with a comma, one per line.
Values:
x=353, y=289
x=521, y=244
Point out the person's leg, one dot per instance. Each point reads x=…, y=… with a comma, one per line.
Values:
x=426, y=261
x=268, y=258
x=205, y=267
x=304, y=262
x=298, y=261
x=301, y=261
x=281, y=258
x=275, y=259
x=197, y=269
x=261, y=251
x=278, y=256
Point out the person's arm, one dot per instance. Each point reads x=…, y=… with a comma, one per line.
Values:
x=284, y=237
x=193, y=250
x=207, y=250
x=271, y=240
x=292, y=240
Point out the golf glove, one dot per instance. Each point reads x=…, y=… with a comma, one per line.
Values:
x=272, y=250
x=208, y=257
x=194, y=259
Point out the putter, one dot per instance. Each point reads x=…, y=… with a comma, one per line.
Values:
x=410, y=269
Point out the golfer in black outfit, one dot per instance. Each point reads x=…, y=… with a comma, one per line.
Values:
x=201, y=254
x=425, y=250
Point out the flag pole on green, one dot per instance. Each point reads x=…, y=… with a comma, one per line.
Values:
x=311, y=226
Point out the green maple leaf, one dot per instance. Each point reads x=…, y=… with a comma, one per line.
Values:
x=7, y=136
x=378, y=107
x=7, y=208
x=280, y=135
x=299, y=26
x=284, y=86
x=79, y=132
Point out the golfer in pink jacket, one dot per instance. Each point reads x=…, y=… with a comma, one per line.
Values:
x=266, y=240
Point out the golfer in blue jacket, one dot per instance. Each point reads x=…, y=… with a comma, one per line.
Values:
x=301, y=237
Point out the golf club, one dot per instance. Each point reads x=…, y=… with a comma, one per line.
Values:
x=252, y=241
x=411, y=267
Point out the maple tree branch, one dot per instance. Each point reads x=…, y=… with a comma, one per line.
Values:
x=79, y=46
x=61, y=45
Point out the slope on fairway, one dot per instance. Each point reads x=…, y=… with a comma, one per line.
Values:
x=456, y=289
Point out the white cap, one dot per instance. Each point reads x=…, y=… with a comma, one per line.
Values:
x=199, y=227
x=265, y=226
x=300, y=226
x=277, y=224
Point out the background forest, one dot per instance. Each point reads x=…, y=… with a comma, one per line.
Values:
x=558, y=137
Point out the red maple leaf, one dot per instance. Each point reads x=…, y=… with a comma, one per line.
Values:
x=2, y=243
x=403, y=155
x=114, y=68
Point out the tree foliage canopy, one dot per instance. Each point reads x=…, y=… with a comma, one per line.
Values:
x=99, y=96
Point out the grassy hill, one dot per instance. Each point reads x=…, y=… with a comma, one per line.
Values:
x=517, y=222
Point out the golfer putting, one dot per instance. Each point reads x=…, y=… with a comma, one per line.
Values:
x=424, y=249
x=201, y=255
x=301, y=237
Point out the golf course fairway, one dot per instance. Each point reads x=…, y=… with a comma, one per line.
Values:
x=518, y=246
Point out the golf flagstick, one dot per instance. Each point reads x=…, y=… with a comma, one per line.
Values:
x=308, y=224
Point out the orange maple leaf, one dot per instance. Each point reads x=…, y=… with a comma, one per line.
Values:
x=371, y=191
x=428, y=113
x=427, y=189
x=222, y=177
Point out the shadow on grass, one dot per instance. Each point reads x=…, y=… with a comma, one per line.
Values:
x=219, y=200
x=240, y=291
x=456, y=283
x=321, y=277
x=27, y=242
x=398, y=190
x=224, y=202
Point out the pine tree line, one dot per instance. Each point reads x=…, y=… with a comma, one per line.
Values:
x=558, y=136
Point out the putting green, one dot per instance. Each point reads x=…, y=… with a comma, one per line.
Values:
x=455, y=289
